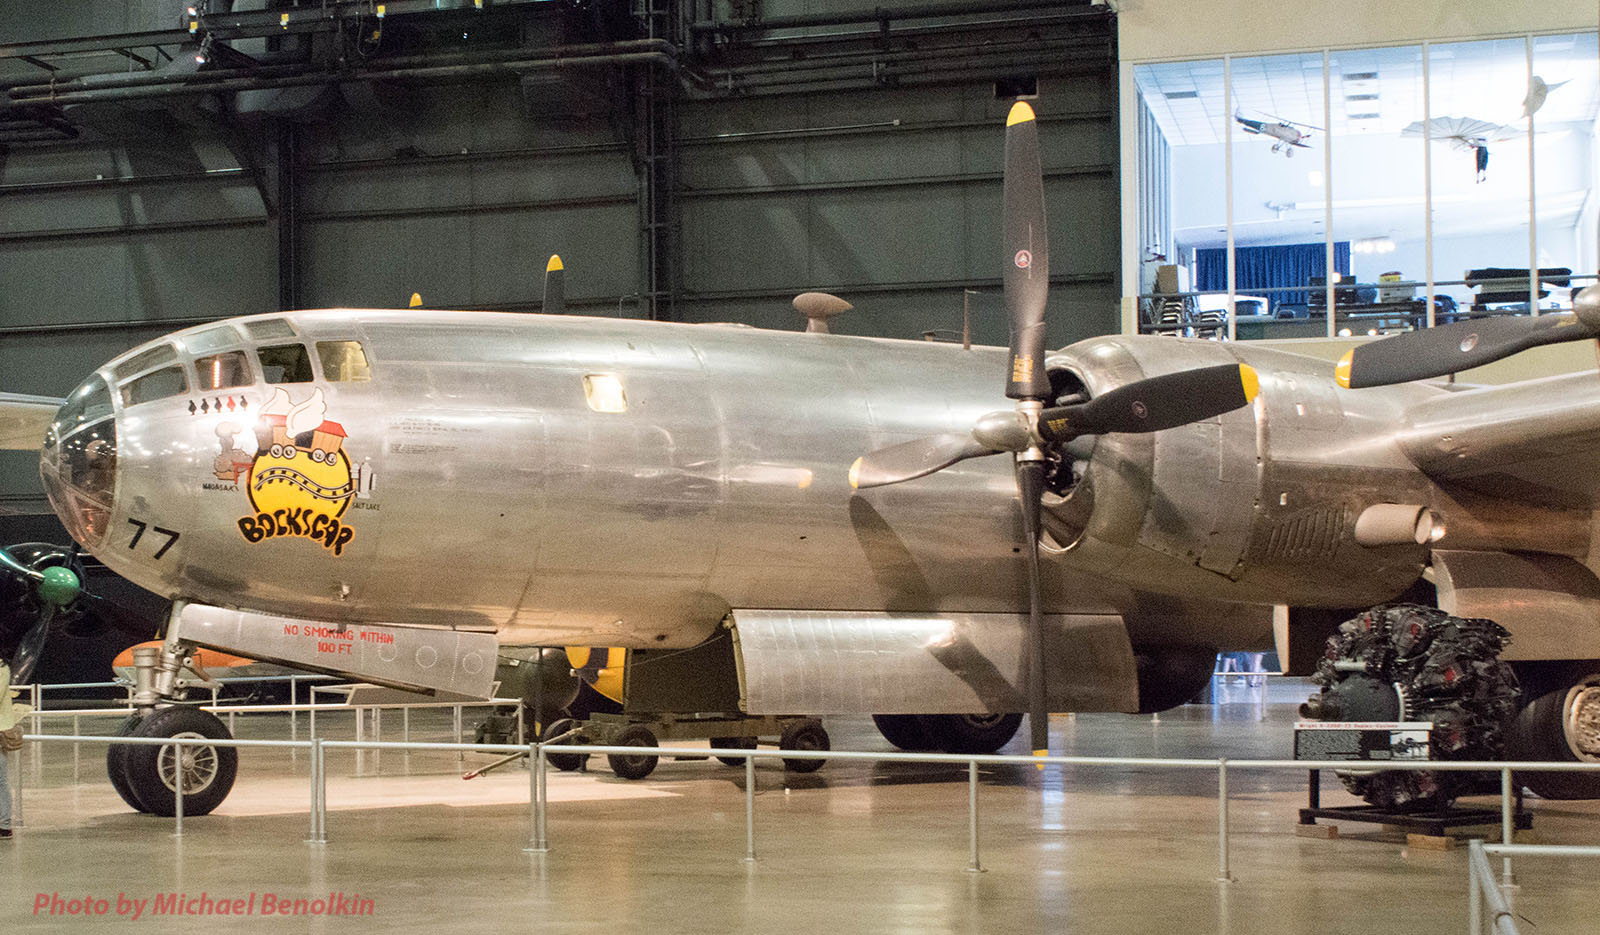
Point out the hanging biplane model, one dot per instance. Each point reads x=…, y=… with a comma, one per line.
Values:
x=1288, y=134
x=391, y=495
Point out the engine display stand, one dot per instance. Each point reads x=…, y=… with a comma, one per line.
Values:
x=1433, y=823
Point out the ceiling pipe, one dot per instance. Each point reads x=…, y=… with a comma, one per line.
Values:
x=156, y=78
x=196, y=84
x=887, y=14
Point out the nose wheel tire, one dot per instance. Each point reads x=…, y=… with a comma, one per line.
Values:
x=154, y=774
x=117, y=764
x=804, y=735
x=633, y=766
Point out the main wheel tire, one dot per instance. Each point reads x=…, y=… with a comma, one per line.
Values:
x=1412, y=663
x=904, y=731
x=206, y=774
x=1560, y=726
x=736, y=743
x=633, y=766
x=970, y=733
x=117, y=763
x=565, y=762
x=804, y=735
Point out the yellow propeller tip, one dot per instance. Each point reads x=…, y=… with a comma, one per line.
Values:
x=1250, y=381
x=1041, y=754
x=1341, y=370
x=554, y=264
x=855, y=474
x=416, y=300
x=1020, y=113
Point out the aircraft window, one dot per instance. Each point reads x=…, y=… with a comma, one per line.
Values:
x=604, y=392
x=211, y=339
x=269, y=328
x=221, y=371
x=90, y=402
x=286, y=363
x=343, y=361
x=158, y=384
x=160, y=354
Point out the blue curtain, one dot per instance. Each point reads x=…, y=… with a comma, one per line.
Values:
x=1269, y=268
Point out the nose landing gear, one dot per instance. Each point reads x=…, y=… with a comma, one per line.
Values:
x=149, y=777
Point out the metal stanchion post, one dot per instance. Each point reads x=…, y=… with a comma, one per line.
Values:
x=319, y=793
x=1474, y=893
x=749, y=808
x=535, y=804
x=460, y=756
x=405, y=726
x=294, y=716
x=177, y=784
x=1223, y=875
x=522, y=729
x=1506, y=830
x=972, y=817
x=541, y=768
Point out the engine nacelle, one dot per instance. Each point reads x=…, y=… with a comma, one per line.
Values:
x=1258, y=505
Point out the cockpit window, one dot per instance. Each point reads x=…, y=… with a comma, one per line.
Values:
x=286, y=363
x=211, y=339
x=269, y=328
x=138, y=363
x=343, y=361
x=159, y=384
x=221, y=371
x=90, y=402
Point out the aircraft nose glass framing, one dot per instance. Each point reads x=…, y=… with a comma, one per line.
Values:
x=78, y=462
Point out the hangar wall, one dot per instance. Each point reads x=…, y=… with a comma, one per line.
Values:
x=880, y=183
x=791, y=145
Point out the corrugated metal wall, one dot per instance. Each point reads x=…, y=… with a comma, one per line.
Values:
x=885, y=194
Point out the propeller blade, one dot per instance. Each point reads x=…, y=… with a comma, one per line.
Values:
x=555, y=291
x=1447, y=349
x=1030, y=484
x=1155, y=403
x=1026, y=279
x=913, y=459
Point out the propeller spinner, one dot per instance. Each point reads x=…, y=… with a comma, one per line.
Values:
x=1031, y=431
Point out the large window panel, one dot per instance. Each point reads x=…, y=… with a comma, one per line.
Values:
x=1279, y=221
x=1480, y=173
x=1563, y=96
x=1378, y=190
x=1188, y=107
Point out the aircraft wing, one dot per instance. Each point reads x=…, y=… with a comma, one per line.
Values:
x=1537, y=441
x=23, y=420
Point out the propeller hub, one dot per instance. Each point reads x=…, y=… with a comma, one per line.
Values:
x=59, y=586
x=1005, y=430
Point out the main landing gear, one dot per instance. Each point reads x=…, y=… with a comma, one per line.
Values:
x=150, y=776
x=951, y=733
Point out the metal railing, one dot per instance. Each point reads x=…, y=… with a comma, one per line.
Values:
x=1483, y=889
x=538, y=798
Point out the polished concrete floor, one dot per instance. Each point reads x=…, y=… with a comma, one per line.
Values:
x=857, y=847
